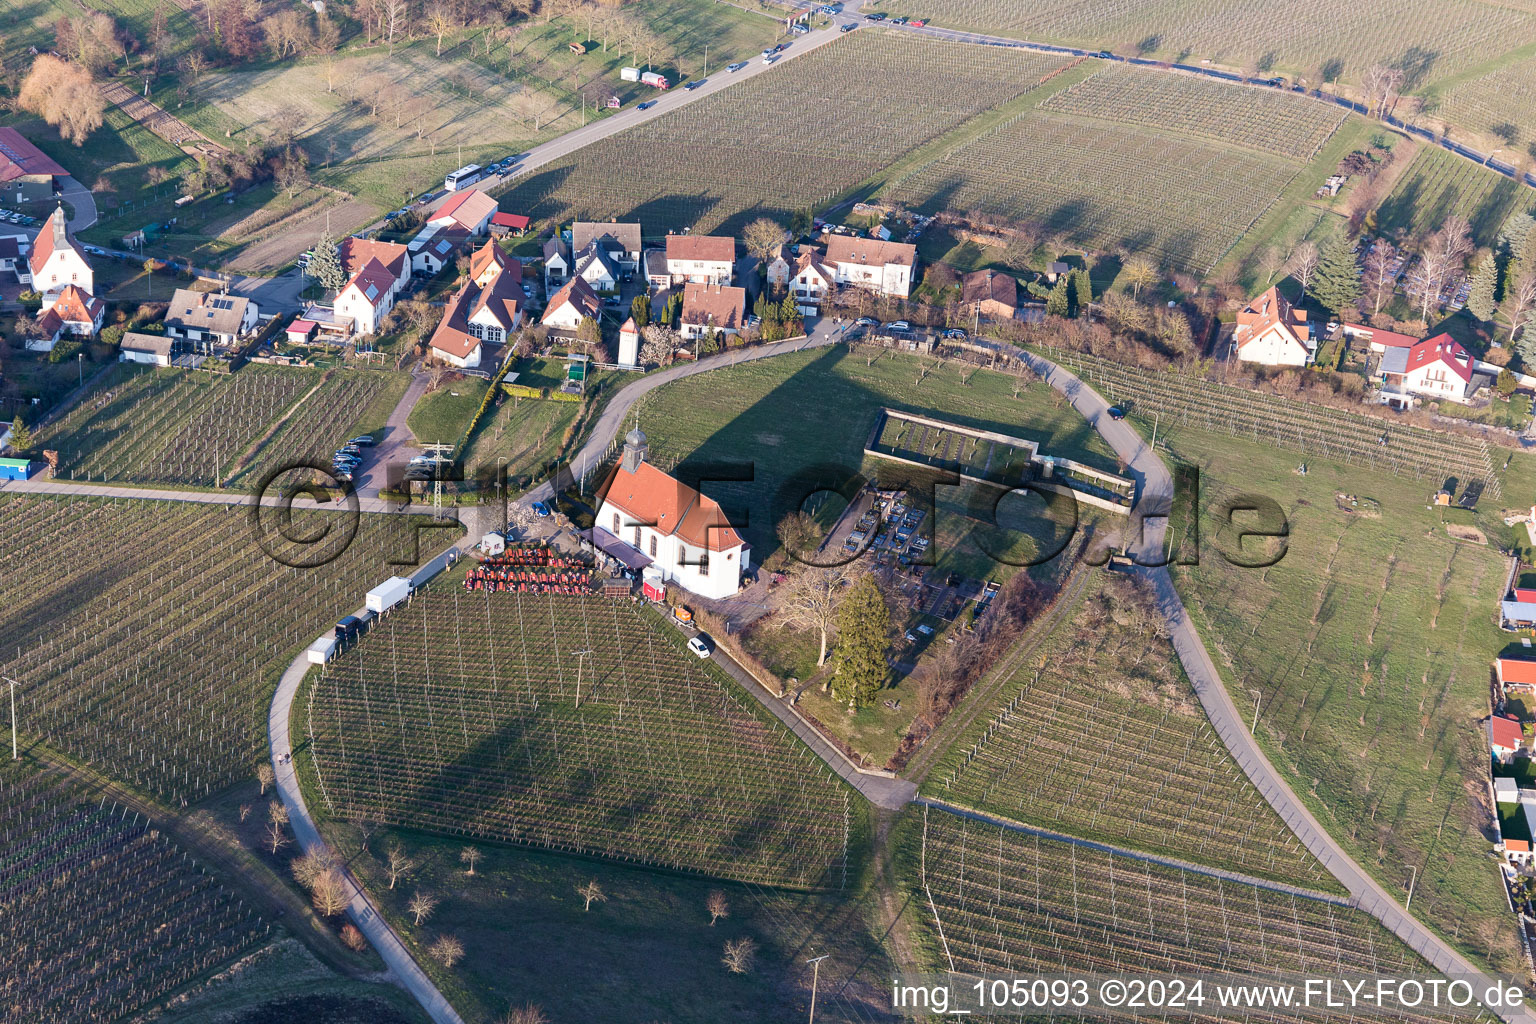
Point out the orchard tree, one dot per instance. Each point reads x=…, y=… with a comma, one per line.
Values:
x=717, y=906
x=447, y=950
x=469, y=856
x=1140, y=272
x=421, y=906
x=739, y=954
x=591, y=893
x=863, y=632
x=397, y=864
x=265, y=776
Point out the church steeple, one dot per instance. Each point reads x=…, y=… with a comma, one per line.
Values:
x=634, y=449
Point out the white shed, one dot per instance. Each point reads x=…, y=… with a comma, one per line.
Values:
x=493, y=544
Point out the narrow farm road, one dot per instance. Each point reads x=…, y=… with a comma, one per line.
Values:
x=37, y=485
x=362, y=910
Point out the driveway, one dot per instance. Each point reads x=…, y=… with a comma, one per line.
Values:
x=80, y=199
x=392, y=441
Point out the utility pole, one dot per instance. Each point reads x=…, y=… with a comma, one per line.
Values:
x=13, y=716
x=815, y=961
x=1411, y=883
x=1256, y=698
x=580, y=657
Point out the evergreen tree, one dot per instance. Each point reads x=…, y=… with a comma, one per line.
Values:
x=789, y=315
x=1482, y=301
x=673, y=313
x=1336, y=282
x=325, y=266
x=1081, y=292
x=21, y=437
x=640, y=310
x=863, y=632
x=1058, y=302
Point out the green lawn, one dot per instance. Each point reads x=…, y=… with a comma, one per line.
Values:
x=737, y=417
x=1367, y=647
x=442, y=415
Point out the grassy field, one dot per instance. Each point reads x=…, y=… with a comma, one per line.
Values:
x=640, y=753
x=647, y=953
x=711, y=419
x=1102, y=737
x=441, y=416
x=834, y=126
x=1192, y=173
x=1367, y=649
x=1439, y=184
x=104, y=914
x=989, y=901
x=147, y=659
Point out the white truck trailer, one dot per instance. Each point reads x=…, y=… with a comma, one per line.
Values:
x=388, y=594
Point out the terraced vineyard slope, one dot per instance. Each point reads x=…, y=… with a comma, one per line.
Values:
x=143, y=649
x=100, y=913
x=1194, y=164
x=798, y=137
x=477, y=714
x=1101, y=736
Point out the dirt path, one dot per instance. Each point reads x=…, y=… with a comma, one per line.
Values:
x=153, y=117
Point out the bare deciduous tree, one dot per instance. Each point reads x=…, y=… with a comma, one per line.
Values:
x=1380, y=273
x=1271, y=261
x=763, y=237
x=421, y=906
x=393, y=14
x=1522, y=304
x=1140, y=272
x=328, y=892
x=266, y=776
x=1380, y=86
x=397, y=864
x=469, y=856
x=441, y=21
x=812, y=597
x=717, y=907
x=245, y=811
x=352, y=938
x=447, y=950
x=591, y=893
x=1445, y=254
x=63, y=95
x=1303, y=264
x=739, y=954
x=525, y=1014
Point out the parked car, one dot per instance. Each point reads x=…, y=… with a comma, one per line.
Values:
x=700, y=645
x=898, y=325
x=1116, y=412
x=899, y=21
x=541, y=510
x=689, y=87
x=849, y=27
x=866, y=321
x=365, y=440
x=647, y=105
x=770, y=58
x=770, y=52
x=733, y=68
x=877, y=16
x=955, y=334
x=753, y=320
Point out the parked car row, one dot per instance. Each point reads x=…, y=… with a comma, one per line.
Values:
x=15, y=217
x=349, y=457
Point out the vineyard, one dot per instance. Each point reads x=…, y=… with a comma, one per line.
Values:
x=1506, y=95
x=100, y=913
x=324, y=421
x=1366, y=648
x=1181, y=200
x=1439, y=184
x=1127, y=757
x=1315, y=430
x=1219, y=111
x=575, y=724
x=994, y=900
x=143, y=633
x=1306, y=37
x=171, y=426
x=799, y=137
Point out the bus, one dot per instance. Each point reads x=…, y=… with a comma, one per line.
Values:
x=462, y=177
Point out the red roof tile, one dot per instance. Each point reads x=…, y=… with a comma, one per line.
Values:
x=1517, y=670
x=669, y=506
x=1442, y=348
x=20, y=159
x=356, y=252
x=714, y=248
x=1504, y=731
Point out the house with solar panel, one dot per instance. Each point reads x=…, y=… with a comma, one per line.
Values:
x=209, y=320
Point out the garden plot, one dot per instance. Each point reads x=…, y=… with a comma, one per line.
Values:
x=144, y=633
x=994, y=901
x=103, y=914
x=472, y=713
x=1181, y=199
x=836, y=121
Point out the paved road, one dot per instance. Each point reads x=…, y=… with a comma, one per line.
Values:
x=80, y=199
x=1155, y=486
x=38, y=485
x=1141, y=855
x=362, y=910
x=392, y=440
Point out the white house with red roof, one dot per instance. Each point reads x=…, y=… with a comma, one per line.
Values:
x=1272, y=332
x=574, y=302
x=1505, y=737
x=472, y=211
x=702, y=259
x=662, y=523
x=1517, y=673
x=354, y=254
x=1436, y=368
x=368, y=297
x=72, y=311
x=885, y=268
x=629, y=344
x=485, y=311
x=813, y=280
x=57, y=261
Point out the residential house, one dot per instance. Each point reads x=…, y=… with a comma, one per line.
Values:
x=620, y=242
x=367, y=298
x=26, y=173
x=701, y=259
x=1505, y=737
x=629, y=344
x=990, y=293
x=485, y=311
x=666, y=525
x=1378, y=340
x=13, y=256
x=212, y=318
x=574, y=302
x=813, y=281
x=300, y=331
x=355, y=253
x=712, y=307
x=471, y=211
x=57, y=261
x=434, y=247
x=1516, y=673
x=503, y=224
x=152, y=349
x=1436, y=368
x=778, y=268
x=594, y=266
x=654, y=264
x=885, y=268
x=557, y=263
x=1056, y=269
x=1272, y=332
x=72, y=311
